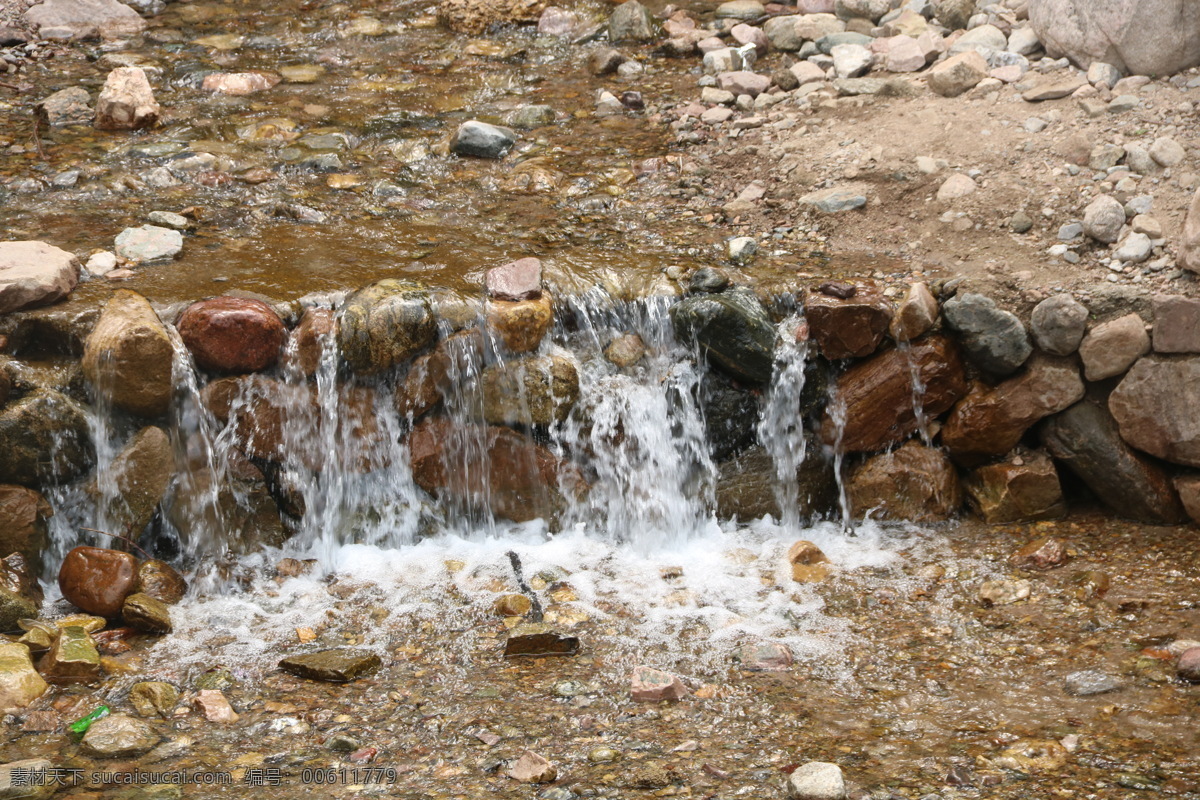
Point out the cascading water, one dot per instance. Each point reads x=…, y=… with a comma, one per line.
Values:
x=781, y=429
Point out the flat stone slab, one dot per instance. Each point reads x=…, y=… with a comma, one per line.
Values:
x=1088, y=682
x=334, y=666
x=539, y=639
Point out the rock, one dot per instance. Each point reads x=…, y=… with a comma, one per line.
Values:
x=746, y=485
x=1088, y=682
x=535, y=390
x=984, y=39
x=538, y=639
x=215, y=706
x=1136, y=248
x=1016, y=492
x=512, y=605
x=129, y=357
x=816, y=780
x=160, y=581
x=333, y=666
x=236, y=503
x=20, y=593
x=763, y=657
x=649, y=685
x=529, y=117
x=144, y=613
x=1086, y=439
x=994, y=339
x=742, y=249
x=239, y=84
x=518, y=280
x=34, y=274
x=84, y=19
x=24, y=516
x=782, y=34
x=1160, y=37
x=1155, y=408
x=958, y=74
x=630, y=21
x=733, y=331
x=744, y=82
x=97, y=580
x=992, y=420
x=476, y=16
x=66, y=107
x=1003, y=593
x=1054, y=89
x=385, y=324
x=558, y=22
x=916, y=314
x=862, y=9
x=1188, y=488
x=531, y=767
x=153, y=698
x=438, y=371
x=148, y=243
x=834, y=200
x=848, y=328
x=914, y=483
x=956, y=187
x=479, y=139
x=1045, y=553
x=135, y=483
x=1101, y=74
x=44, y=439
x=314, y=333
x=1058, y=324
x=28, y=779
x=1176, y=324
x=1188, y=665
x=851, y=60
x=625, y=351
x=730, y=414
x=119, y=736
x=740, y=9
x=232, y=334
x=520, y=326
x=877, y=394
x=1167, y=152
x=20, y=684
x=605, y=61
x=519, y=479
x=904, y=54
x=954, y=14
x=126, y=102
x=1103, y=219
x=813, y=27
x=1188, y=248
x=72, y=658
x=1111, y=347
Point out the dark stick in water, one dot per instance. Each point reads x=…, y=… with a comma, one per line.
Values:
x=535, y=615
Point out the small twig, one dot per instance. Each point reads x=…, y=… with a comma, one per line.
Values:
x=37, y=141
x=124, y=539
x=12, y=86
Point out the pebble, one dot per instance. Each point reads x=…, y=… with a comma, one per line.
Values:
x=816, y=780
x=1004, y=592
x=148, y=243
x=1089, y=682
x=742, y=249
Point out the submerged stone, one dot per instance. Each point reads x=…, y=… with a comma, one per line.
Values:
x=153, y=698
x=145, y=613
x=1088, y=682
x=119, y=736
x=539, y=639
x=20, y=684
x=335, y=666
x=482, y=140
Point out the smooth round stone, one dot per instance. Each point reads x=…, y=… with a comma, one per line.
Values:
x=740, y=9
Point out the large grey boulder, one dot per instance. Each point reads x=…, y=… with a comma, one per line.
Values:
x=1145, y=37
x=993, y=338
x=34, y=274
x=732, y=330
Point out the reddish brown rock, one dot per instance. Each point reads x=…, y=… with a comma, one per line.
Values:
x=520, y=326
x=649, y=685
x=1045, y=553
x=915, y=315
x=518, y=280
x=992, y=420
x=519, y=478
x=915, y=483
x=850, y=327
x=23, y=523
x=1157, y=408
x=97, y=580
x=435, y=372
x=1022, y=489
x=1176, y=324
x=877, y=394
x=1188, y=665
x=232, y=334
x=315, y=325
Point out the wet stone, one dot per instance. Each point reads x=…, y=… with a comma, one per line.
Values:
x=161, y=581
x=66, y=107
x=539, y=639
x=1188, y=666
x=148, y=243
x=1090, y=682
x=532, y=768
x=732, y=329
x=625, y=351
x=816, y=780
x=993, y=338
x=482, y=140
x=153, y=698
x=1045, y=553
x=649, y=685
x=143, y=612
x=29, y=779
x=97, y=580
x=20, y=684
x=1004, y=592
x=518, y=280
x=334, y=666
x=119, y=736
x=232, y=334
x=764, y=657
x=215, y=706
x=708, y=280
x=72, y=658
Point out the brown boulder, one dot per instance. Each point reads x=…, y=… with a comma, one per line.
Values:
x=1157, y=408
x=1176, y=324
x=133, y=486
x=72, y=658
x=878, y=399
x=1023, y=489
x=129, y=356
x=97, y=580
x=441, y=369
x=232, y=334
x=915, y=483
x=849, y=327
x=384, y=324
x=992, y=420
x=916, y=314
x=476, y=16
x=23, y=523
x=520, y=326
x=1188, y=487
x=161, y=581
x=316, y=325
x=518, y=479
x=534, y=390
x=20, y=593
x=747, y=486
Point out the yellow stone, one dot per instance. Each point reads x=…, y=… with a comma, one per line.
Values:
x=810, y=573
x=343, y=181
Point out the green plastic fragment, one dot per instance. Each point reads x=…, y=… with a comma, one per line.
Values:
x=80, y=726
